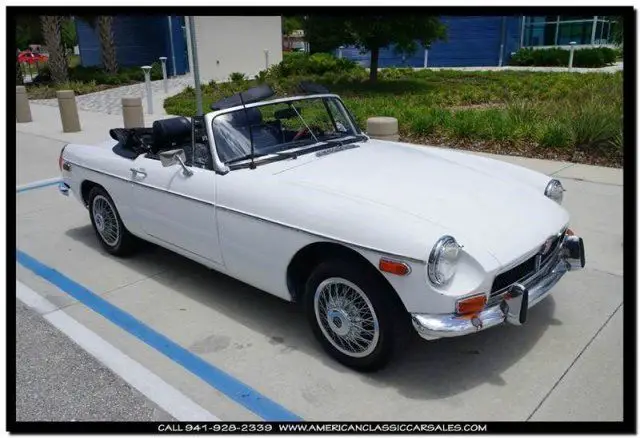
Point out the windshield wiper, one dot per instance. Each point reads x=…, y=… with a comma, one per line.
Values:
x=306, y=149
x=244, y=157
x=287, y=154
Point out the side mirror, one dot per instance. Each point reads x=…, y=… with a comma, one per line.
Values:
x=175, y=156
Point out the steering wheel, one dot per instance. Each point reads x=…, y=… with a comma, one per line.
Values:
x=300, y=133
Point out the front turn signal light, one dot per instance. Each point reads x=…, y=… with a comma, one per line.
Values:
x=472, y=304
x=393, y=267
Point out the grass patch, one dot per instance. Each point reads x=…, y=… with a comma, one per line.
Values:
x=568, y=116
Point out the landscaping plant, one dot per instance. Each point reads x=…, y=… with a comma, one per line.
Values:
x=555, y=115
x=556, y=57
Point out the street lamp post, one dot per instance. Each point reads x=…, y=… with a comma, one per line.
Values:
x=163, y=61
x=571, y=50
x=173, y=53
x=147, y=81
x=196, y=68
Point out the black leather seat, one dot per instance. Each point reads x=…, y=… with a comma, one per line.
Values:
x=171, y=133
x=230, y=145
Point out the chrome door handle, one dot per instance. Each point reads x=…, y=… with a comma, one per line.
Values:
x=138, y=171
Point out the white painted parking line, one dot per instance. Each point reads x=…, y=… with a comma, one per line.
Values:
x=37, y=184
x=153, y=387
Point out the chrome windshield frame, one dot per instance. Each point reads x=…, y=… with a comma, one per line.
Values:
x=221, y=168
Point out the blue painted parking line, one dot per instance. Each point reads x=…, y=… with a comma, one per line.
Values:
x=218, y=379
x=38, y=185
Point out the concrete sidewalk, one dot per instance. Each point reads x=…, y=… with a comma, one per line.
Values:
x=618, y=66
x=95, y=125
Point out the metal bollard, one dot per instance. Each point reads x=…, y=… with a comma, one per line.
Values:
x=383, y=128
x=163, y=60
x=132, y=113
x=68, y=111
x=426, y=58
x=147, y=80
x=571, y=50
x=23, y=110
x=340, y=52
x=266, y=59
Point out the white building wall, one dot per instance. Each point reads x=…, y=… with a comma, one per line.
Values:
x=235, y=44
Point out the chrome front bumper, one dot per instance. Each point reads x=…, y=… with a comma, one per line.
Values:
x=512, y=308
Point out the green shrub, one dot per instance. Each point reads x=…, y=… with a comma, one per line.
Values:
x=556, y=57
x=556, y=135
x=466, y=124
x=237, y=77
x=262, y=76
x=156, y=71
x=428, y=122
x=136, y=75
x=595, y=124
x=540, y=57
x=301, y=63
x=113, y=80
x=610, y=55
x=589, y=58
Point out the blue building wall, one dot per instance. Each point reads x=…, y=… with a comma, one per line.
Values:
x=471, y=42
x=139, y=40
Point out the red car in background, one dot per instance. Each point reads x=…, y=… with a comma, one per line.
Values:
x=31, y=58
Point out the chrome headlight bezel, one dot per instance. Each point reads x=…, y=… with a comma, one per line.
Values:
x=443, y=244
x=554, y=191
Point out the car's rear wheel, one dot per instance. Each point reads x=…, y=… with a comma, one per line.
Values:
x=352, y=315
x=110, y=230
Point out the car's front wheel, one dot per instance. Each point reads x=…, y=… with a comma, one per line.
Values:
x=110, y=230
x=352, y=315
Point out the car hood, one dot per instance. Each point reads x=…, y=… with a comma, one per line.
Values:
x=469, y=198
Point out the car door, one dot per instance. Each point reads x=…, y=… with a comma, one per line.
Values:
x=175, y=208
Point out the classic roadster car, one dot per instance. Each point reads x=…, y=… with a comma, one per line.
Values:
x=371, y=237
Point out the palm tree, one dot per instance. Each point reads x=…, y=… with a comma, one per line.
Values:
x=104, y=25
x=107, y=44
x=52, y=39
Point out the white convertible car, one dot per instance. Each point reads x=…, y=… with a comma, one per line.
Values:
x=371, y=237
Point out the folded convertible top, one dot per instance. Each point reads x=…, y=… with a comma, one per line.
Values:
x=255, y=94
x=263, y=92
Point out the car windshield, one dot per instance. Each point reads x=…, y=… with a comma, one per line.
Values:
x=277, y=127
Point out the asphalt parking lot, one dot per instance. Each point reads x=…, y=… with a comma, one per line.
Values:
x=244, y=355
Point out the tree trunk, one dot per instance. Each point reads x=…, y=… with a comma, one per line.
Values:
x=107, y=44
x=53, y=41
x=373, y=65
x=19, y=79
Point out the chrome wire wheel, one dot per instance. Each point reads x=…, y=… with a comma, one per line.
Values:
x=105, y=220
x=346, y=317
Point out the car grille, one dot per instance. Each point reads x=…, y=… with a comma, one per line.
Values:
x=523, y=270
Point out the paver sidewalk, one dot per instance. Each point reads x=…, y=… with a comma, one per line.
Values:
x=110, y=101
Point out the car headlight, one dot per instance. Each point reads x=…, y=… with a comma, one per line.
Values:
x=443, y=260
x=554, y=190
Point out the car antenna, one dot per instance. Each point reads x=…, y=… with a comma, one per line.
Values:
x=252, y=165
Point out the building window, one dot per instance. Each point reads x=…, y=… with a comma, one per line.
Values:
x=580, y=32
x=554, y=30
